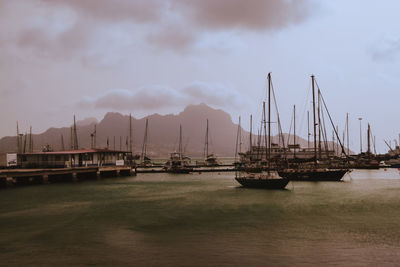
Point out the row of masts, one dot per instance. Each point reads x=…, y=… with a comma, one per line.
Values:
x=319, y=131
x=23, y=139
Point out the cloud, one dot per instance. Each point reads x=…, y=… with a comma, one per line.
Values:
x=154, y=98
x=173, y=24
x=387, y=51
x=249, y=15
x=134, y=10
x=216, y=94
x=172, y=36
x=145, y=98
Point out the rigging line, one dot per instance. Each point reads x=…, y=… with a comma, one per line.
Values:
x=324, y=136
x=290, y=129
x=278, y=116
x=304, y=109
x=333, y=126
x=280, y=132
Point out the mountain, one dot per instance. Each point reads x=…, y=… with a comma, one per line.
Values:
x=163, y=133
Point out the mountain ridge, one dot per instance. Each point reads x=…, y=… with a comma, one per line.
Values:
x=163, y=133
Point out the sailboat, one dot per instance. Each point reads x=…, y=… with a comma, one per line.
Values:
x=268, y=178
x=177, y=162
x=145, y=161
x=210, y=159
x=316, y=171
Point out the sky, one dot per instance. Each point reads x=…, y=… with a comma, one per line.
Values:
x=85, y=57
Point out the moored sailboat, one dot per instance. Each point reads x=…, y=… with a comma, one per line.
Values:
x=177, y=162
x=268, y=178
x=317, y=171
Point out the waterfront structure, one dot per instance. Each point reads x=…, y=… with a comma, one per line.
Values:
x=73, y=158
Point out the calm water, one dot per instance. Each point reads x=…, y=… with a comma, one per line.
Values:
x=203, y=219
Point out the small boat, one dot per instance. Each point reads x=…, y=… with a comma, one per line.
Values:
x=178, y=163
x=210, y=159
x=145, y=161
x=264, y=180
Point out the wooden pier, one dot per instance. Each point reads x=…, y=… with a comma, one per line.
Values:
x=10, y=177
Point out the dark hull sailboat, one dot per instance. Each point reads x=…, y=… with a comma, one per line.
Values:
x=268, y=179
x=262, y=182
x=326, y=172
x=313, y=174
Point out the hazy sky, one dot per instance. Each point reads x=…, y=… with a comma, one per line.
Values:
x=87, y=57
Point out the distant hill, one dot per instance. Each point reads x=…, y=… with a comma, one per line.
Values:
x=162, y=135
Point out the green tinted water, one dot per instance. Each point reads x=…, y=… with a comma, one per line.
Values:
x=202, y=219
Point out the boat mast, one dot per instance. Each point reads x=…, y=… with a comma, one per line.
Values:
x=18, y=142
x=264, y=123
x=314, y=120
x=94, y=136
x=30, y=140
x=269, y=119
x=144, y=147
x=319, y=123
x=308, y=129
x=206, y=143
x=237, y=140
x=337, y=140
x=62, y=144
x=294, y=131
x=71, y=139
x=347, y=128
x=75, y=136
x=251, y=131
x=25, y=142
x=130, y=133
x=368, y=138
x=180, y=141
x=240, y=136
x=333, y=142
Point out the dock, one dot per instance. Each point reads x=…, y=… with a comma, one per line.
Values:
x=11, y=177
x=19, y=176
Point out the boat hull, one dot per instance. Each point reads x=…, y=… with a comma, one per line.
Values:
x=313, y=175
x=262, y=183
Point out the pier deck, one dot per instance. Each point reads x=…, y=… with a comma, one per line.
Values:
x=9, y=177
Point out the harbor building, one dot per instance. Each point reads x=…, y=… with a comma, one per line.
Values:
x=74, y=158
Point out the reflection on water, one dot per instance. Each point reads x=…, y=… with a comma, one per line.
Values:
x=203, y=219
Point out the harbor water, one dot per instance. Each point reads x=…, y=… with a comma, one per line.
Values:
x=203, y=219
